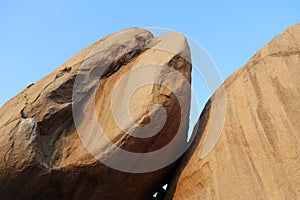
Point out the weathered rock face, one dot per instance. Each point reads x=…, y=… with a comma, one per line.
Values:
x=42, y=156
x=258, y=153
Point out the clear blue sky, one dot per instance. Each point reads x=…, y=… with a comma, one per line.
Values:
x=38, y=36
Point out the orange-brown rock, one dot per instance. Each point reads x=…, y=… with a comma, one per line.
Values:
x=257, y=155
x=42, y=155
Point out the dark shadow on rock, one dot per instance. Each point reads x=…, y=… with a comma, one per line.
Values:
x=195, y=140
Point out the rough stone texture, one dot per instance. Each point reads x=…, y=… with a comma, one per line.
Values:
x=42, y=156
x=258, y=153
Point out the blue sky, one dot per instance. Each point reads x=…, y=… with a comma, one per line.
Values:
x=38, y=36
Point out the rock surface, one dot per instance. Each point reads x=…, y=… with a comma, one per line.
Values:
x=258, y=153
x=42, y=156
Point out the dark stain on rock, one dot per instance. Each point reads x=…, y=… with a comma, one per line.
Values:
x=263, y=114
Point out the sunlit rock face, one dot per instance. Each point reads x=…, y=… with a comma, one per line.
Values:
x=48, y=152
x=258, y=153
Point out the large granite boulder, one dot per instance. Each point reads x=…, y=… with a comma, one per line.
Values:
x=124, y=83
x=257, y=155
